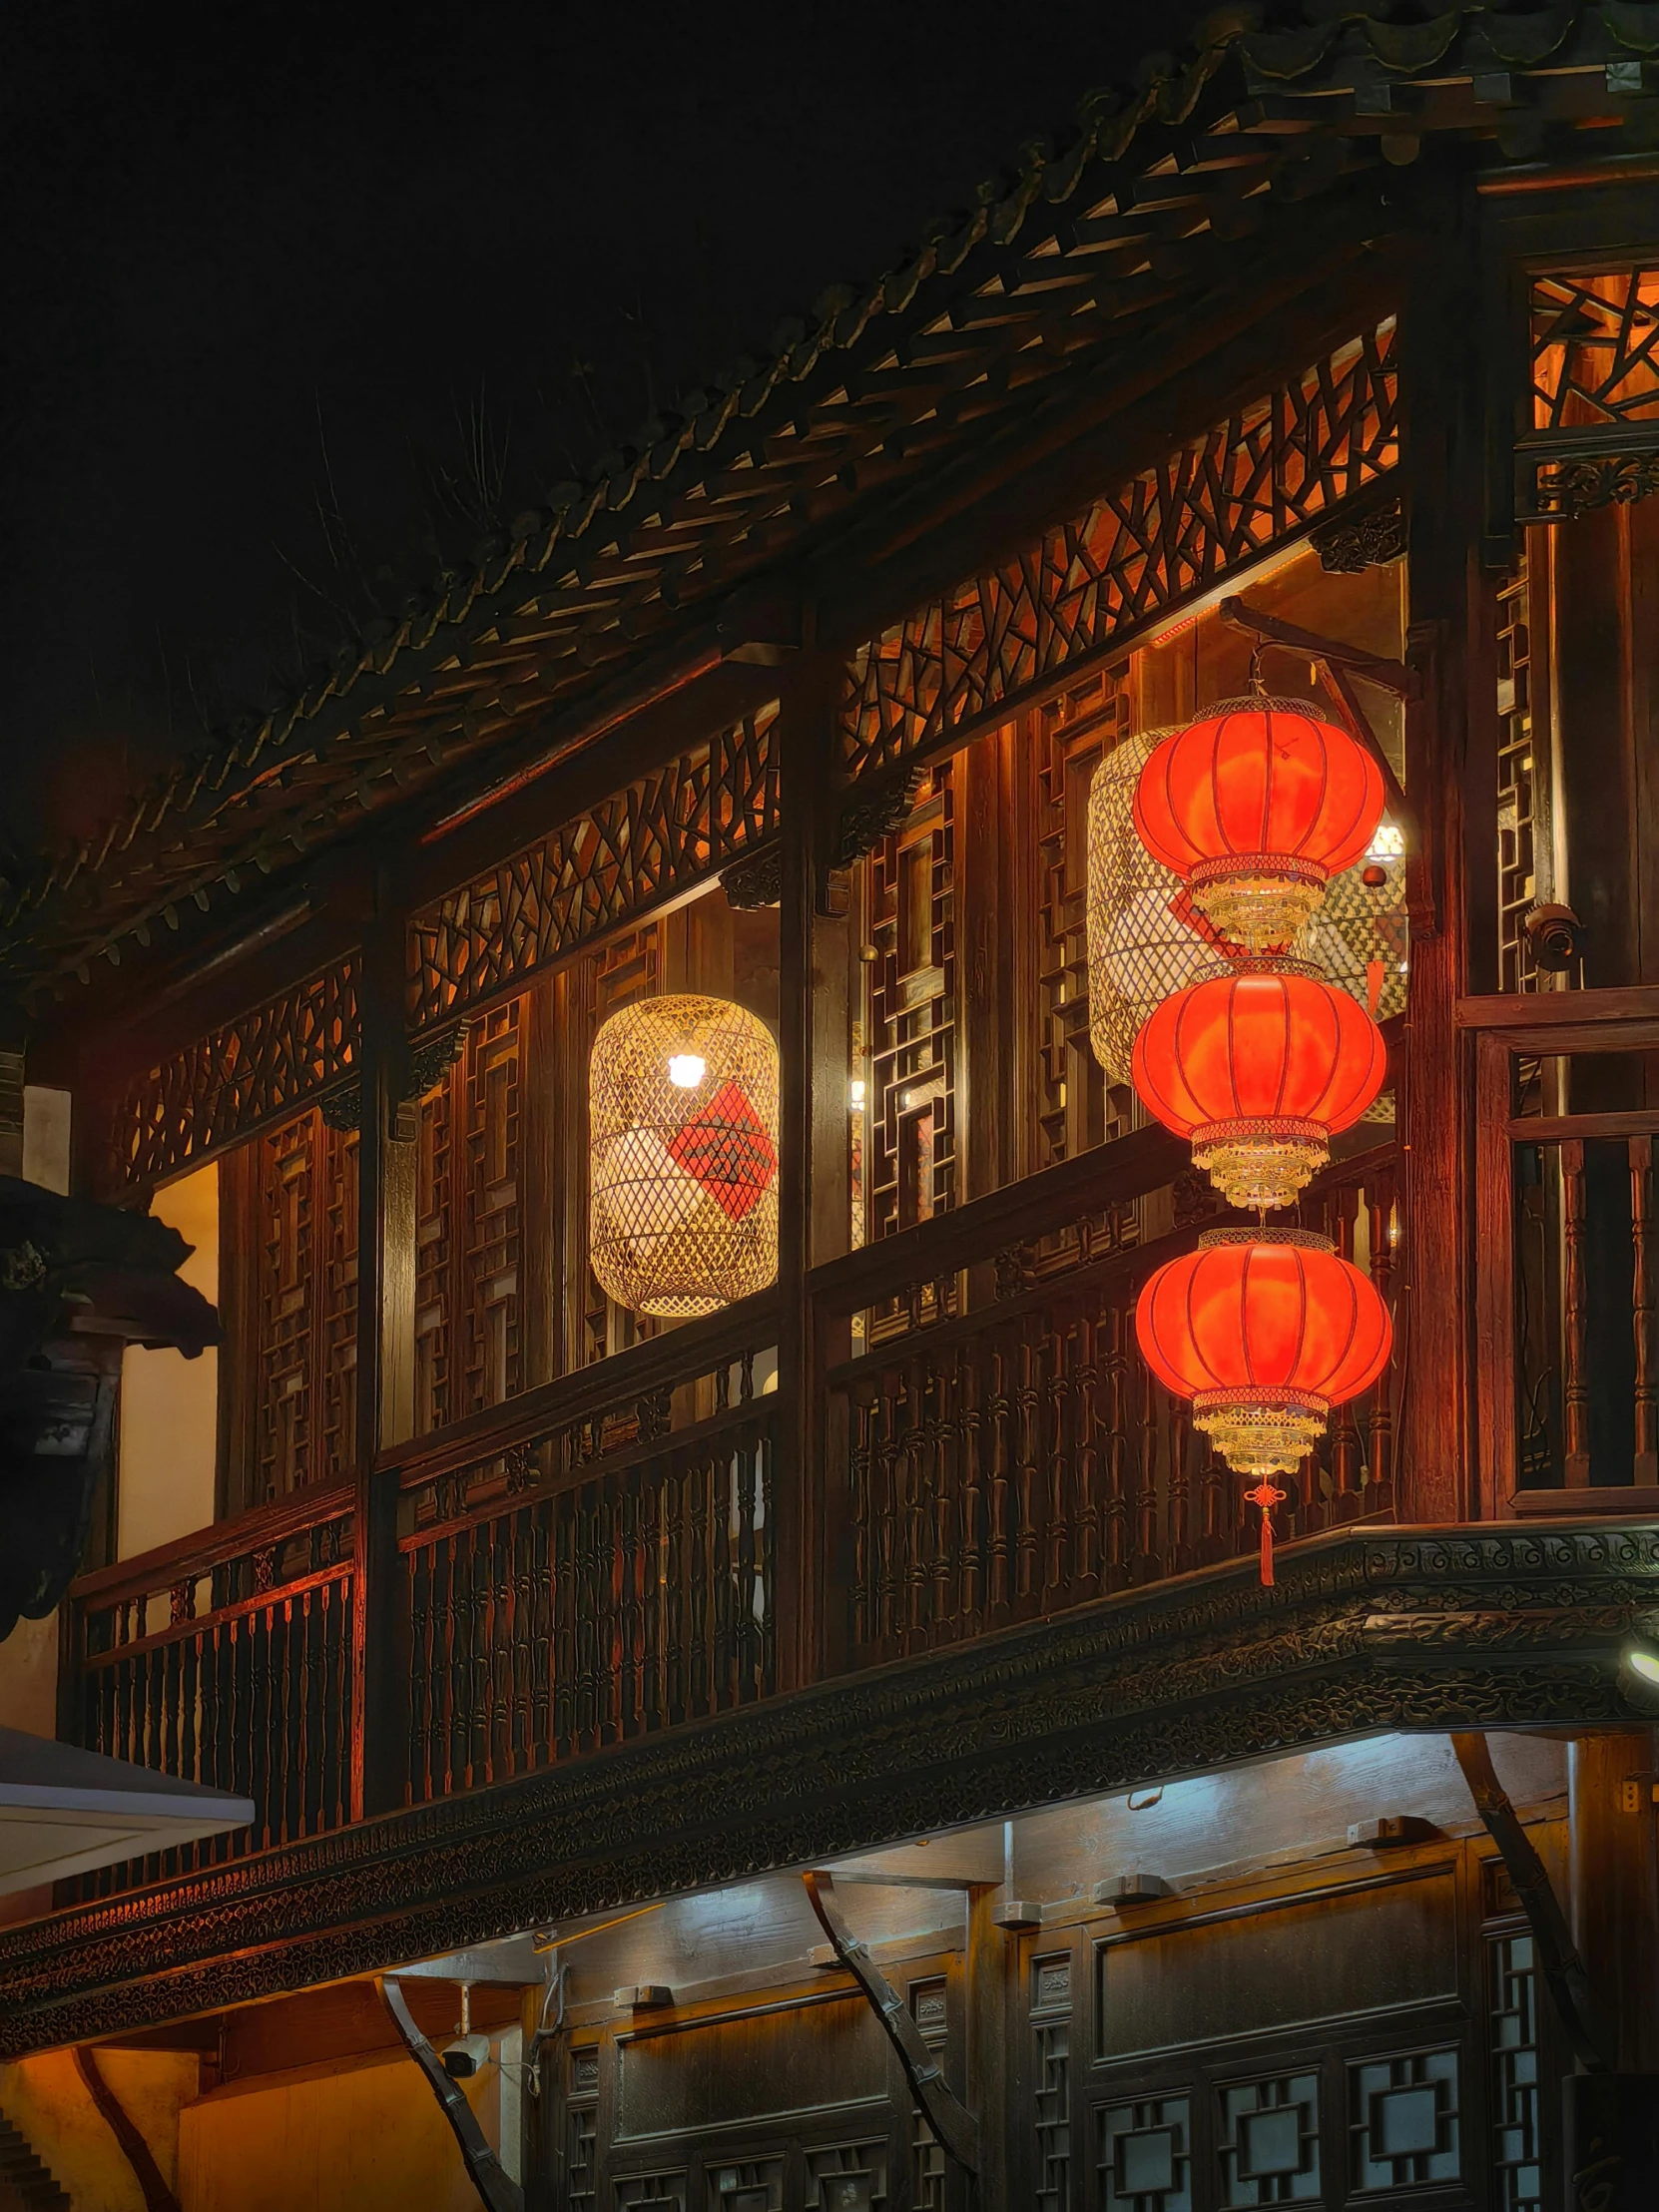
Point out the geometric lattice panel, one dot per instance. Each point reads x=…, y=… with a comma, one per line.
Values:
x=1403, y=2120
x=658, y=835
x=213, y=1093
x=1277, y=464
x=1518, y=2149
x=1145, y=2156
x=1270, y=2143
x=849, y=2178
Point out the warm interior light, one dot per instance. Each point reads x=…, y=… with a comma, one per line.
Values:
x=686, y=1070
x=1644, y=1665
x=856, y=1096
x=1389, y=842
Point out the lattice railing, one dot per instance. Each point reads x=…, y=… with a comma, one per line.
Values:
x=225, y=1660
x=605, y=1570
x=1003, y=1453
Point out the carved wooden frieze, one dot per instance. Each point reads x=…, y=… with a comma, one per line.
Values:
x=1371, y=1629
x=239, y=1078
x=658, y=835
x=1277, y=464
x=1593, y=437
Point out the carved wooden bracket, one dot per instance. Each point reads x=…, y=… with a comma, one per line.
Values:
x=429, y=1059
x=1587, y=2030
x=1348, y=544
x=954, y=2125
x=497, y=2190
x=158, y=2197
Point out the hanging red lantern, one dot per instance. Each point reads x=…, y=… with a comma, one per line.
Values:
x=1265, y=1330
x=1260, y=1068
x=1257, y=805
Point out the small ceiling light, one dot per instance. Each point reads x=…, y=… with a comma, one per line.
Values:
x=686, y=1070
x=1643, y=1664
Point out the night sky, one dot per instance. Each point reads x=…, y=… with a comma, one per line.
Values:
x=299, y=300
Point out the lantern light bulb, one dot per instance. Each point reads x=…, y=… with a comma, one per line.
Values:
x=686, y=1070
x=856, y=1096
x=1644, y=1665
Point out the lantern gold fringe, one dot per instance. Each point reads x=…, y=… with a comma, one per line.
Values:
x=683, y=1212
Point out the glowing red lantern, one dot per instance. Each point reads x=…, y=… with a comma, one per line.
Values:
x=1257, y=805
x=1265, y=1330
x=1260, y=1068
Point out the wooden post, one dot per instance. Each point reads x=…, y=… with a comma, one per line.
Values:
x=1615, y=1885
x=1450, y=772
x=812, y=1141
x=989, y=1948
x=385, y=1358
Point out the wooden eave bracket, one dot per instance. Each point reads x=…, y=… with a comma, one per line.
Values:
x=953, y=2123
x=497, y=2190
x=1587, y=2028
x=1336, y=663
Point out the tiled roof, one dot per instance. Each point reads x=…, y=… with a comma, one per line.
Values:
x=1051, y=271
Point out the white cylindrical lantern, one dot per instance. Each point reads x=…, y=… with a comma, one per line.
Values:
x=1146, y=937
x=682, y=1107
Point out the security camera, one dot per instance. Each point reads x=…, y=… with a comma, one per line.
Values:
x=1556, y=935
x=465, y=2056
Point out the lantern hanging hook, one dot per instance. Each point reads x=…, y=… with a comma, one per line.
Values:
x=1258, y=682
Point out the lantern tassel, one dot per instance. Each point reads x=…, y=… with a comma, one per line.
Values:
x=1267, y=1494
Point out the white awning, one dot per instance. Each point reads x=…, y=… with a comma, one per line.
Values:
x=65, y=1811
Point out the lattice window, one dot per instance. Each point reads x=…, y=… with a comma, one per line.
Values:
x=627, y=968
x=637, y=848
x=746, y=2185
x=1170, y=532
x=911, y=1021
x=667, y=2189
x=928, y=2166
x=848, y=2177
x=1517, y=2147
x=251, y=1071
x=1403, y=2120
x=469, y=1226
x=1270, y=2141
x=1074, y=1108
x=1519, y=786
x=1145, y=2156
x=303, y=1306
x=582, y=2158
x=1595, y=349
x=1051, y=2115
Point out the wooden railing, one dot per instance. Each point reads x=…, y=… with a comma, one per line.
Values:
x=612, y=1554
x=226, y=1659
x=609, y=1573
x=1566, y=1290
x=1000, y=1451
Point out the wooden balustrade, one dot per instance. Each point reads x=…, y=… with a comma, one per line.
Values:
x=1568, y=1368
x=1002, y=1451
x=225, y=1660
x=605, y=1578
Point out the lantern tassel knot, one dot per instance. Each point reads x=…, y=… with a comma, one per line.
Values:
x=1267, y=1494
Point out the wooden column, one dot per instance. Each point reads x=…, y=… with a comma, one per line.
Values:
x=385, y=1357
x=812, y=1008
x=1615, y=1885
x=1450, y=772
x=991, y=1952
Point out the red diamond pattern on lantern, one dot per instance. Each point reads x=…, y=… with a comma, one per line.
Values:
x=726, y=1148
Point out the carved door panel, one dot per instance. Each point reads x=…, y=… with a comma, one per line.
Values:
x=1377, y=2041
x=783, y=2101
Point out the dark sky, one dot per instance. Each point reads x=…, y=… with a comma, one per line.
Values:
x=277, y=276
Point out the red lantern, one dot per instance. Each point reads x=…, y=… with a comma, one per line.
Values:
x=1258, y=805
x=1265, y=1330
x=1260, y=1068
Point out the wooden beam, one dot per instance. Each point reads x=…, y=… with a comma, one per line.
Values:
x=497, y=2191
x=950, y=2120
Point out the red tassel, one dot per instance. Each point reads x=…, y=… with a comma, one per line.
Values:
x=1267, y=1494
x=1266, y=1550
